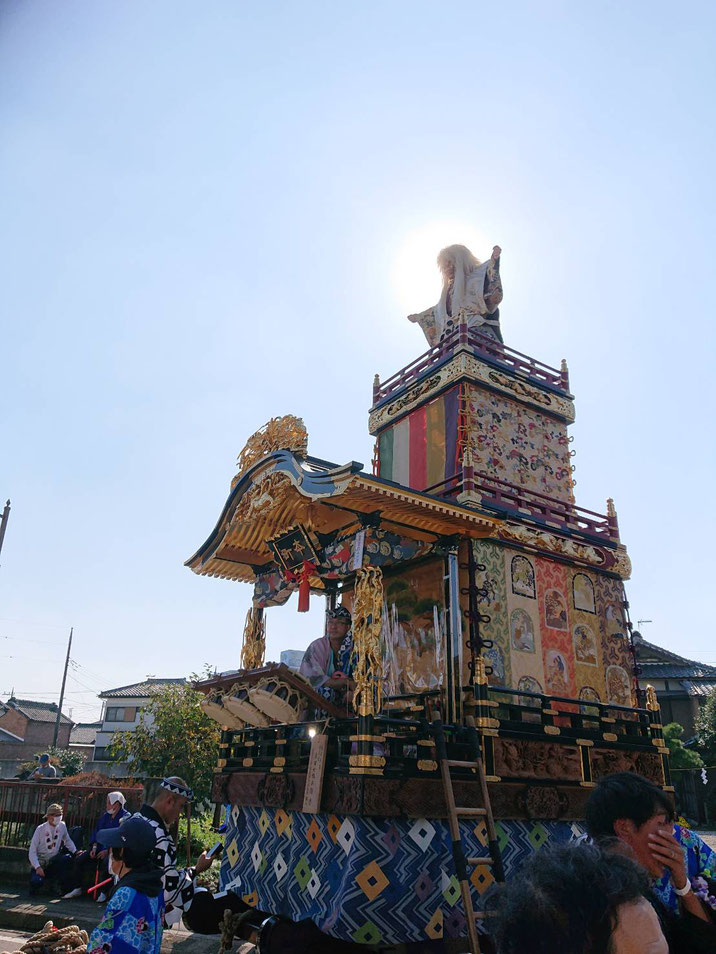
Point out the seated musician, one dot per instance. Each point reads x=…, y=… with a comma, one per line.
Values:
x=327, y=663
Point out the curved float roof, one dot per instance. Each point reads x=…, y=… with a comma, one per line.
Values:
x=283, y=489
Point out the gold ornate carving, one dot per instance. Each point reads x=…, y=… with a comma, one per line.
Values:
x=652, y=703
x=366, y=761
x=465, y=365
x=367, y=610
x=280, y=433
x=622, y=564
x=254, y=644
x=553, y=543
x=262, y=497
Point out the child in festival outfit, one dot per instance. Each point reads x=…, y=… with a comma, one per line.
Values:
x=132, y=922
x=46, y=855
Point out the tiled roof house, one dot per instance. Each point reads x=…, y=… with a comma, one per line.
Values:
x=27, y=727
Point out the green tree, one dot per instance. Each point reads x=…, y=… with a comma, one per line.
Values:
x=679, y=756
x=68, y=761
x=706, y=729
x=174, y=737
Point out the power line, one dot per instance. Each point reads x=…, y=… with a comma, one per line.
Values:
x=24, y=639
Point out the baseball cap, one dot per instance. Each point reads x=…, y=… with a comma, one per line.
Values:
x=135, y=833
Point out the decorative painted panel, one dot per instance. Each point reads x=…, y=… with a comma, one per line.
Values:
x=583, y=593
x=518, y=444
x=554, y=623
x=545, y=644
x=522, y=631
x=525, y=636
x=523, y=577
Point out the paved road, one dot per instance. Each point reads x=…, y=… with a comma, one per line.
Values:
x=12, y=940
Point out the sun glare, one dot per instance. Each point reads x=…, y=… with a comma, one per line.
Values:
x=416, y=279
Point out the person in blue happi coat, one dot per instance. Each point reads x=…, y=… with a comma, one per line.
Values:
x=132, y=922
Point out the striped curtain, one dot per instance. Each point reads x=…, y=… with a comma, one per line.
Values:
x=420, y=450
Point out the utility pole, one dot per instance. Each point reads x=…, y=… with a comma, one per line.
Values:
x=62, y=691
x=3, y=522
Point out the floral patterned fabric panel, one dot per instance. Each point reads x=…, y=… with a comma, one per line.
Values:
x=380, y=548
x=493, y=603
x=272, y=589
x=521, y=445
x=614, y=641
x=132, y=924
x=700, y=868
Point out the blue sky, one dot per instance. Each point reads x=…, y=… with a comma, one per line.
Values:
x=221, y=212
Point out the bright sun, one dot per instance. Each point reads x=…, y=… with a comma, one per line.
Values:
x=416, y=278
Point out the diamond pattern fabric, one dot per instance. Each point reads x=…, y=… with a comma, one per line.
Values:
x=368, y=880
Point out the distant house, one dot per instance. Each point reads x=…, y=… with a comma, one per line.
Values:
x=121, y=711
x=682, y=685
x=82, y=738
x=29, y=726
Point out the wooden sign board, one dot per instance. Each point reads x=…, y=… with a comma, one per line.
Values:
x=314, y=775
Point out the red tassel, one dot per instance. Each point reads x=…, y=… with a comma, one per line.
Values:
x=304, y=589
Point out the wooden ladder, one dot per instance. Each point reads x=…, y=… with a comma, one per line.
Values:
x=455, y=813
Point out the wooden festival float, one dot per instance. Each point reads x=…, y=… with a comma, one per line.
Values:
x=494, y=669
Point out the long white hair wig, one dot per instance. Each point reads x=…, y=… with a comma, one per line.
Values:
x=464, y=262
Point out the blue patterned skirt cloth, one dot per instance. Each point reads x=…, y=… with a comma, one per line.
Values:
x=369, y=880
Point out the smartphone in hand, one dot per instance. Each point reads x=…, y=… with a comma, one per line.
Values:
x=215, y=850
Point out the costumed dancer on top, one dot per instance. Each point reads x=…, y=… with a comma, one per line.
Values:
x=472, y=292
x=327, y=663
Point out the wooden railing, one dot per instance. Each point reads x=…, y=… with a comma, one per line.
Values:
x=482, y=346
x=514, y=499
x=533, y=712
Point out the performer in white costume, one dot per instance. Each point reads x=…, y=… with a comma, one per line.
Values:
x=472, y=292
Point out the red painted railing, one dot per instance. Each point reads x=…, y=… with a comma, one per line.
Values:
x=481, y=346
x=548, y=510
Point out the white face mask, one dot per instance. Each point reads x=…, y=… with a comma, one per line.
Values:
x=112, y=862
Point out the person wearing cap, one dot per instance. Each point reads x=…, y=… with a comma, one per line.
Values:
x=46, y=856
x=179, y=883
x=44, y=770
x=132, y=922
x=327, y=663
